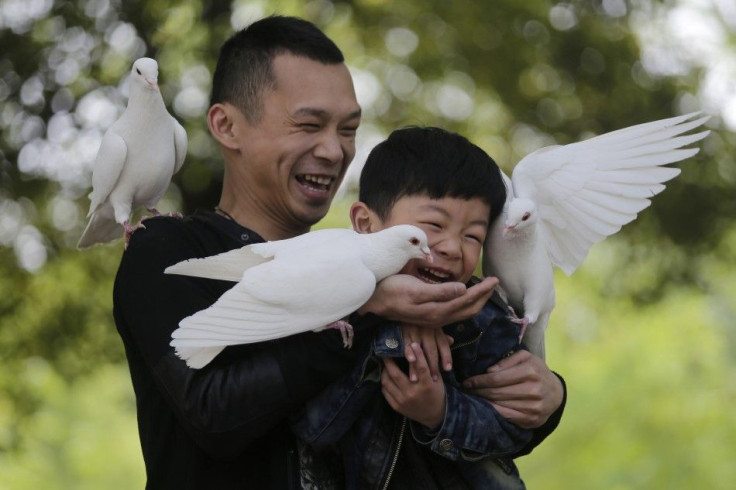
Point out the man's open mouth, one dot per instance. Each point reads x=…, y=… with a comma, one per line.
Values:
x=316, y=182
x=433, y=276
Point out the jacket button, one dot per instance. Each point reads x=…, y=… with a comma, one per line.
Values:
x=446, y=444
x=460, y=327
x=245, y=237
x=392, y=343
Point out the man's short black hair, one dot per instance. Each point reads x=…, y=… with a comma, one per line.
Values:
x=245, y=65
x=430, y=161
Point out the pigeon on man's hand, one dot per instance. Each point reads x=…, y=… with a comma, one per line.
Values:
x=138, y=155
x=286, y=287
x=563, y=199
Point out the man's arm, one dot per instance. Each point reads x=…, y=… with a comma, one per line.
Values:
x=247, y=389
x=522, y=388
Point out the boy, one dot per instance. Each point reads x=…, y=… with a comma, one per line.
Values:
x=425, y=433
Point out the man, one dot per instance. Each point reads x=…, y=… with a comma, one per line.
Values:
x=284, y=112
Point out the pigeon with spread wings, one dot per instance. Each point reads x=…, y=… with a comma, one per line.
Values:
x=563, y=199
x=290, y=286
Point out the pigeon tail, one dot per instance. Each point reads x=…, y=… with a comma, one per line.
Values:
x=102, y=228
x=198, y=357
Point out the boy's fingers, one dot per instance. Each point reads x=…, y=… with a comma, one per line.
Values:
x=443, y=344
x=421, y=365
x=432, y=360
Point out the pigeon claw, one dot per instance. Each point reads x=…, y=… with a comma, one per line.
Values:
x=346, y=330
x=524, y=322
x=129, y=229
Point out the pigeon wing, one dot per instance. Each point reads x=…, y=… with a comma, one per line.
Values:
x=278, y=299
x=180, y=144
x=108, y=165
x=587, y=191
x=227, y=266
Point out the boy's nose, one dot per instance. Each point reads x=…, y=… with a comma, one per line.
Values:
x=448, y=248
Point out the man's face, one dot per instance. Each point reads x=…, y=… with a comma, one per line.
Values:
x=455, y=228
x=294, y=158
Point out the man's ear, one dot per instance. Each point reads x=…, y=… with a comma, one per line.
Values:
x=363, y=219
x=222, y=120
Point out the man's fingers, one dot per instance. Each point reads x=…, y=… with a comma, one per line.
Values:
x=517, y=357
x=427, y=293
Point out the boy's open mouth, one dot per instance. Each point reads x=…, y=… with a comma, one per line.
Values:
x=433, y=276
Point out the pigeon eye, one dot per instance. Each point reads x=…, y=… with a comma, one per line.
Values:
x=414, y=241
x=138, y=71
x=525, y=217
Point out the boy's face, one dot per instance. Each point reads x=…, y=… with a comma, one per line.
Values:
x=456, y=229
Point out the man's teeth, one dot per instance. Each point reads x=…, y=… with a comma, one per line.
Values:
x=316, y=179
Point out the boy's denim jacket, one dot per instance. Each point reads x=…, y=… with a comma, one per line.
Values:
x=352, y=417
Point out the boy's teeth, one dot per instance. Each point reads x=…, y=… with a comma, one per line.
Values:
x=442, y=275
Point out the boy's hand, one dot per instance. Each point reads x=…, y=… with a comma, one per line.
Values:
x=436, y=347
x=423, y=401
x=521, y=388
x=406, y=299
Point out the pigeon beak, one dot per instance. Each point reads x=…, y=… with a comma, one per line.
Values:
x=508, y=229
x=427, y=254
x=153, y=84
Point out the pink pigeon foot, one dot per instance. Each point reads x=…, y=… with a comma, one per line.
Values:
x=524, y=322
x=346, y=330
x=130, y=229
x=155, y=212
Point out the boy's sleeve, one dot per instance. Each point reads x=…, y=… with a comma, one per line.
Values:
x=472, y=430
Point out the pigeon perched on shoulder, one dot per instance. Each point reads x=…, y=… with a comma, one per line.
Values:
x=138, y=155
x=563, y=199
x=290, y=286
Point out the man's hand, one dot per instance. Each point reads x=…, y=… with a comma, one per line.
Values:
x=406, y=299
x=434, y=343
x=522, y=389
x=423, y=401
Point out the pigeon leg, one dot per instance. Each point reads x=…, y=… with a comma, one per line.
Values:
x=524, y=322
x=155, y=212
x=346, y=330
x=130, y=229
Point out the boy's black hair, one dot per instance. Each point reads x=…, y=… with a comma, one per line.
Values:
x=244, y=68
x=430, y=161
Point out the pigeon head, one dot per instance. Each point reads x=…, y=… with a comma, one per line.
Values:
x=145, y=71
x=521, y=214
x=411, y=240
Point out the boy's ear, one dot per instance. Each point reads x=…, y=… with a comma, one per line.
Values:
x=221, y=120
x=362, y=218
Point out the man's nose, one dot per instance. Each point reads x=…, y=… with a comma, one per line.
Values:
x=329, y=148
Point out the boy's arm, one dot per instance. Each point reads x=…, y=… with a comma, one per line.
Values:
x=451, y=423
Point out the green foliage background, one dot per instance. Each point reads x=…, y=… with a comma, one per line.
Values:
x=643, y=333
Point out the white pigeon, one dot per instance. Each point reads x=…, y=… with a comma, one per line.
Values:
x=291, y=286
x=138, y=155
x=563, y=199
